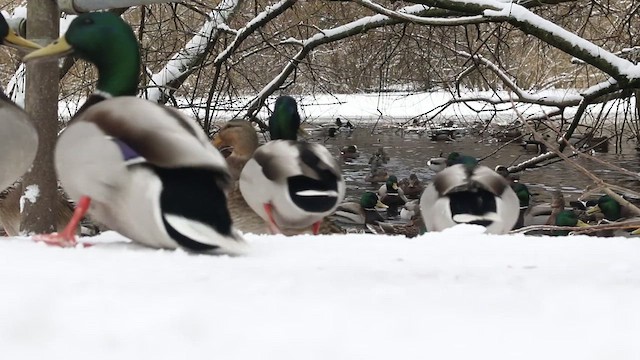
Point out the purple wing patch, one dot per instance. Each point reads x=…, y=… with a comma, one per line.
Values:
x=127, y=152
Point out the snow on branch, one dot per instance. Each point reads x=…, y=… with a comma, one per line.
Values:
x=419, y=19
x=522, y=96
x=270, y=13
x=183, y=62
x=547, y=31
x=323, y=37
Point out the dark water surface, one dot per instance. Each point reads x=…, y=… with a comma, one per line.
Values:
x=409, y=153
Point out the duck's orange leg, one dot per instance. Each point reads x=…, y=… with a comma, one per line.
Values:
x=67, y=237
x=316, y=227
x=273, y=227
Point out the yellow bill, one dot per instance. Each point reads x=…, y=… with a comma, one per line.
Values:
x=594, y=209
x=217, y=141
x=302, y=132
x=14, y=40
x=379, y=204
x=59, y=47
x=581, y=223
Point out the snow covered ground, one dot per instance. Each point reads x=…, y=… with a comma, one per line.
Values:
x=457, y=294
x=396, y=107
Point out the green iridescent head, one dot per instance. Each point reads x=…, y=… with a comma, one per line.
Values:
x=455, y=158
x=392, y=182
x=567, y=218
x=368, y=200
x=108, y=42
x=284, y=123
x=610, y=208
x=522, y=191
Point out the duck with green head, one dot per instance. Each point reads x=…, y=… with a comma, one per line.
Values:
x=566, y=218
x=140, y=168
x=539, y=214
x=455, y=158
x=292, y=185
x=613, y=211
x=469, y=194
x=362, y=212
x=392, y=195
x=524, y=198
x=610, y=208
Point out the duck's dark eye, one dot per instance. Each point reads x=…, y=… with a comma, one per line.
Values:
x=87, y=21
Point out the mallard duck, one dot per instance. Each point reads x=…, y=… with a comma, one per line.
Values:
x=376, y=175
x=18, y=136
x=410, y=209
x=360, y=213
x=349, y=152
x=467, y=194
x=539, y=214
x=566, y=218
x=19, y=141
x=238, y=140
x=455, y=158
x=611, y=209
x=504, y=172
x=413, y=228
x=377, y=172
x=323, y=130
x=10, y=209
x=615, y=213
x=412, y=187
x=380, y=157
x=140, y=168
x=291, y=185
x=437, y=164
x=392, y=195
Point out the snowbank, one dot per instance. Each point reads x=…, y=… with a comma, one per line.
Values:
x=452, y=295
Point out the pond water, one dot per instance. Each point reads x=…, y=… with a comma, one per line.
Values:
x=409, y=153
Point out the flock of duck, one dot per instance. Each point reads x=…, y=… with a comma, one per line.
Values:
x=150, y=173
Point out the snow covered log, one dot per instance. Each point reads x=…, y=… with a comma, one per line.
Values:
x=164, y=83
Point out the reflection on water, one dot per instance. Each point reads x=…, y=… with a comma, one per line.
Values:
x=409, y=153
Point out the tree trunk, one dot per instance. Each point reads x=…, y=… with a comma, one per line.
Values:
x=40, y=183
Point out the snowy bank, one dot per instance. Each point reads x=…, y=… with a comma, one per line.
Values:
x=394, y=107
x=452, y=295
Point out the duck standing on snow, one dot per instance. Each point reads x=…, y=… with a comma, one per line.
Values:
x=469, y=194
x=140, y=168
x=18, y=136
x=238, y=140
x=290, y=184
x=18, y=139
x=392, y=196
